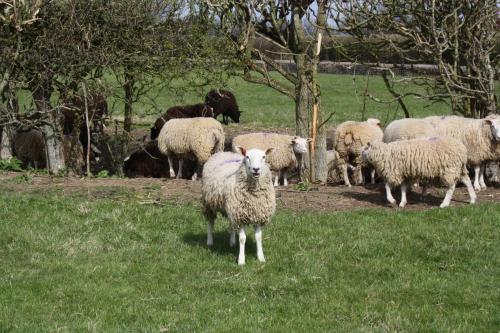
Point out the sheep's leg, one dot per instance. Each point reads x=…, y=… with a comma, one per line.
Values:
x=372, y=176
x=361, y=176
x=243, y=238
x=346, y=176
x=388, y=192
x=404, y=188
x=477, y=169
x=258, y=240
x=277, y=179
x=171, y=166
x=447, y=198
x=285, y=180
x=210, y=232
x=424, y=189
x=232, y=237
x=470, y=189
x=179, y=172
x=197, y=172
x=481, y=176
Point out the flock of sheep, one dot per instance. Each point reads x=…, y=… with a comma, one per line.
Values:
x=240, y=186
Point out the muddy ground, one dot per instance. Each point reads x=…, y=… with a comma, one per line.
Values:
x=325, y=198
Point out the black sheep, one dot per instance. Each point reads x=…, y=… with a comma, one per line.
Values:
x=186, y=111
x=223, y=102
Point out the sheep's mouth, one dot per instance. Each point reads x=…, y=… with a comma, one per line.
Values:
x=255, y=174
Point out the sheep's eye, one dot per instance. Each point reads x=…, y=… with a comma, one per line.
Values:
x=263, y=157
x=247, y=157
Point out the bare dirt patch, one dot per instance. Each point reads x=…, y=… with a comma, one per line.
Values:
x=321, y=198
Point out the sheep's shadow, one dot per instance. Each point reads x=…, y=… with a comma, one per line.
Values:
x=377, y=196
x=221, y=242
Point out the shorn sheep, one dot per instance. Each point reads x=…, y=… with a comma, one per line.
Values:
x=223, y=102
x=422, y=159
x=240, y=187
x=349, y=139
x=190, y=138
x=185, y=111
x=287, y=154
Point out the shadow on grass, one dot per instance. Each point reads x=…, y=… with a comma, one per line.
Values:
x=378, y=197
x=221, y=242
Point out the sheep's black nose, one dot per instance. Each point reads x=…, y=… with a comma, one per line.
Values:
x=256, y=169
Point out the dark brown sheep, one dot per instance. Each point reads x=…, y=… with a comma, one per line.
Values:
x=223, y=102
x=148, y=161
x=186, y=111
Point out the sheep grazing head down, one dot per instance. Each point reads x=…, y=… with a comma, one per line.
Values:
x=300, y=145
x=255, y=161
x=365, y=153
x=494, y=123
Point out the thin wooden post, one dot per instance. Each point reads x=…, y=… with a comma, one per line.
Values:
x=87, y=125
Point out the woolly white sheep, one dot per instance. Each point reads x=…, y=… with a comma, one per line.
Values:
x=288, y=153
x=481, y=137
x=422, y=159
x=194, y=138
x=240, y=187
x=407, y=128
x=349, y=139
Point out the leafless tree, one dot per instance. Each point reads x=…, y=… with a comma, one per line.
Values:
x=296, y=27
x=458, y=35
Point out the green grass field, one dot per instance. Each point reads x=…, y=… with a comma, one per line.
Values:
x=263, y=106
x=110, y=264
x=342, y=94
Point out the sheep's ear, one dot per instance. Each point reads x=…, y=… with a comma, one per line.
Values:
x=488, y=121
x=242, y=150
x=368, y=145
x=269, y=150
x=309, y=140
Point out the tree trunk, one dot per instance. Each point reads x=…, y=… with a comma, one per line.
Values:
x=51, y=129
x=129, y=96
x=6, y=143
x=53, y=149
x=302, y=95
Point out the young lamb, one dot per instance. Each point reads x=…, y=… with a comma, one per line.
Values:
x=422, y=159
x=240, y=187
x=481, y=138
x=190, y=138
x=186, y=111
x=288, y=152
x=349, y=139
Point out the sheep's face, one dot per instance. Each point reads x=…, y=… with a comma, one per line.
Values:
x=255, y=160
x=365, y=153
x=300, y=145
x=494, y=123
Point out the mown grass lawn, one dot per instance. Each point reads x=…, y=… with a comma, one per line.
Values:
x=114, y=265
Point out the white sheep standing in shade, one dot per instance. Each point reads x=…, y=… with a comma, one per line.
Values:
x=196, y=138
x=422, y=159
x=481, y=138
x=349, y=139
x=288, y=152
x=240, y=187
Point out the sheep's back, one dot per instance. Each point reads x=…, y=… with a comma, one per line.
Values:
x=280, y=158
x=407, y=128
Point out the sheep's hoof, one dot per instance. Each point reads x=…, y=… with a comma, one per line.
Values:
x=402, y=204
x=443, y=205
x=477, y=188
x=241, y=262
x=262, y=259
x=172, y=174
x=483, y=187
